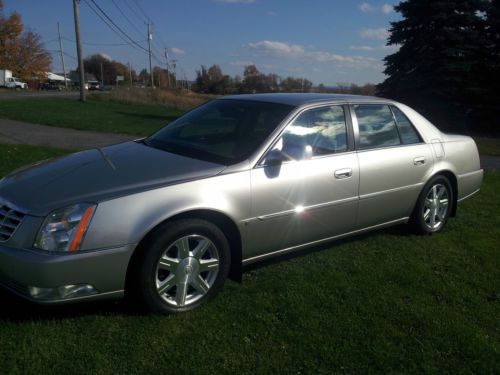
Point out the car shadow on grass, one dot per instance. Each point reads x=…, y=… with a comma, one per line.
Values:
x=16, y=309
x=402, y=230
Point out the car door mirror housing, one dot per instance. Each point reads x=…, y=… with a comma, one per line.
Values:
x=272, y=163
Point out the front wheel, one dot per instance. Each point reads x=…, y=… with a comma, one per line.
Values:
x=185, y=264
x=433, y=206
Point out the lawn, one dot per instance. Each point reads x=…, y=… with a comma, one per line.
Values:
x=97, y=115
x=386, y=302
x=488, y=145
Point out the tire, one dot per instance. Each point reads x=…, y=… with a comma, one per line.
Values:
x=434, y=206
x=184, y=265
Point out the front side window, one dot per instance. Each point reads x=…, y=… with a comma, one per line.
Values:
x=315, y=132
x=222, y=131
x=377, y=127
x=408, y=133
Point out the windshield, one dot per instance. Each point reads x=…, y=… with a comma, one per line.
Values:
x=222, y=131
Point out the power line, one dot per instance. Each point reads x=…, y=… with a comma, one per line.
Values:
x=123, y=34
x=142, y=10
x=72, y=57
x=105, y=44
x=132, y=9
x=128, y=19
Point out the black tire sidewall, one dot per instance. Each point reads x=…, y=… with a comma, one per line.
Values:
x=156, y=245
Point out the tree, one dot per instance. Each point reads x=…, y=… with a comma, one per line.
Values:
x=21, y=52
x=106, y=70
x=213, y=81
x=292, y=84
x=254, y=81
x=441, y=46
x=144, y=76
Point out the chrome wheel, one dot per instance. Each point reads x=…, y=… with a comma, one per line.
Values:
x=436, y=205
x=187, y=270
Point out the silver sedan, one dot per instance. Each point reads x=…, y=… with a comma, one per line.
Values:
x=168, y=218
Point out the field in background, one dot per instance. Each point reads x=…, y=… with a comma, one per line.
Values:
x=183, y=100
x=387, y=302
x=131, y=111
x=96, y=114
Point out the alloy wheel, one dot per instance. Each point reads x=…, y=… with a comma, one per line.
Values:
x=187, y=270
x=436, y=206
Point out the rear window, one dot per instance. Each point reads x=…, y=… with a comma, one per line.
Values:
x=406, y=129
x=377, y=127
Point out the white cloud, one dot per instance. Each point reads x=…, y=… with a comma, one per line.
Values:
x=296, y=51
x=366, y=8
x=386, y=8
x=369, y=8
x=178, y=51
x=106, y=56
x=277, y=48
x=374, y=48
x=241, y=63
x=236, y=1
x=379, y=33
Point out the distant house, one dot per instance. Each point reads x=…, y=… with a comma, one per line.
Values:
x=45, y=79
x=75, y=78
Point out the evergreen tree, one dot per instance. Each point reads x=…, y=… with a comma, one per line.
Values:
x=442, y=55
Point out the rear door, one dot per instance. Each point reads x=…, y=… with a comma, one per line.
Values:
x=312, y=194
x=394, y=163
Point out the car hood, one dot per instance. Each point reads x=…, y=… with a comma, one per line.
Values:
x=98, y=174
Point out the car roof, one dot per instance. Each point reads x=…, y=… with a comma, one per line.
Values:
x=298, y=99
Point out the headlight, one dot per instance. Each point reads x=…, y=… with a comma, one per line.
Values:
x=64, y=229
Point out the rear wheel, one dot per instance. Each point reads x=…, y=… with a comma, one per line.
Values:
x=185, y=264
x=433, y=206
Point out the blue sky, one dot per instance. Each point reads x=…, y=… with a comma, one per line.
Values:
x=330, y=42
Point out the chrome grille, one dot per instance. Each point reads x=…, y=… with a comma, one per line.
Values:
x=9, y=221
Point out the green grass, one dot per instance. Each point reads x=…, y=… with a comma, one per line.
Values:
x=488, y=145
x=96, y=115
x=386, y=302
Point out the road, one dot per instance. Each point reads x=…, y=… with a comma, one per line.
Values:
x=12, y=94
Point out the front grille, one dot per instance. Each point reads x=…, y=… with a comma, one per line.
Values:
x=9, y=221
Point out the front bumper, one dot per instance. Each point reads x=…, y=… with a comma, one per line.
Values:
x=22, y=271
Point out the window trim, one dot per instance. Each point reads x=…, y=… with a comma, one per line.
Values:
x=355, y=121
x=356, y=127
x=351, y=146
x=421, y=140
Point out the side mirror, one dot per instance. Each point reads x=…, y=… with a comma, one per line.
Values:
x=272, y=163
x=274, y=158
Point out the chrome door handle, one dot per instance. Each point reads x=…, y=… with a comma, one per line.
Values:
x=419, y=161
x=343, y=173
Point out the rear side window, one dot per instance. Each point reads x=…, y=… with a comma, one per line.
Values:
x=377, y=127
x=315, y=132
x=406, y=130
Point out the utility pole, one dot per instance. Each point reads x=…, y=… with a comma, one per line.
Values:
x=102, y=77
x=150, y=37
x=174, y=63
x=62, y=57
x=79, y=50
x=130, y=74
x=168, y=72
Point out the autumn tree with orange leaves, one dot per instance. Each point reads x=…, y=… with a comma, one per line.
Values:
x=21, y=50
